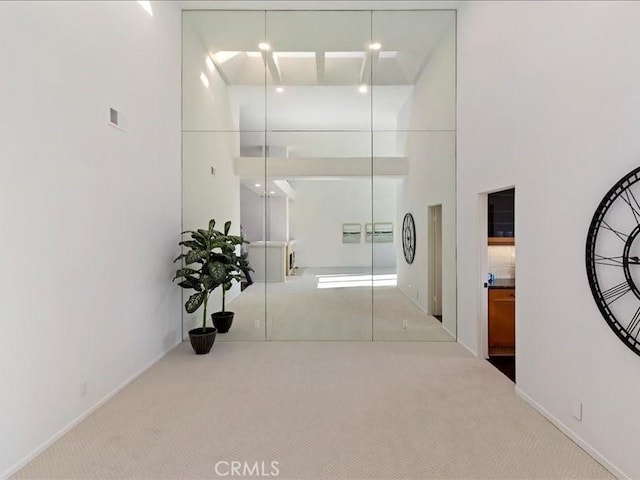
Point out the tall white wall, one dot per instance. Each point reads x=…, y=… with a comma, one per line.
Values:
x=252, y=214
x=208, y=141
x=429, y=143
x=320, y=209
x=548, y=101
x=90, y=214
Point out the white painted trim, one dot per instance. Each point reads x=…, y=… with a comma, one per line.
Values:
x=483, y=268
x=28, y=458
x=467, y=347
x=597, y=456
x=422, y=309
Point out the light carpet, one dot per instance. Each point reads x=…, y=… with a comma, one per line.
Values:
x=326, y=410
x=297, y=310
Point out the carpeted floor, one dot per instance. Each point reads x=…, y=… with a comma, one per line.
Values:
x=298, y=310
x=326, y=410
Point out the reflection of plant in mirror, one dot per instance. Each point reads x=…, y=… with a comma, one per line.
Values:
x=216, y=264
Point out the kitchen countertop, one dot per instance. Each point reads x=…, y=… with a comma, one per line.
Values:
x=503, y=283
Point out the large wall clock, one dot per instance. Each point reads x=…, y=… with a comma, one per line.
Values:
x=409, y=238
x=613, y=259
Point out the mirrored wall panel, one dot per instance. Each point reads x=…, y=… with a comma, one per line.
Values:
x=315, y=133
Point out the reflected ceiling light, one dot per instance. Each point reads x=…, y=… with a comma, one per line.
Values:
x=272, y=193
x=209, y=63
x=204, y=79
x=264, y=46
x=146, y=6
x=279, y=89
x=375, y=46
x=362, y=89
x=224, y=55
x=254, y=54
x=257, y=185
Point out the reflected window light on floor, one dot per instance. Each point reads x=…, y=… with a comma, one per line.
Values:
x=350, y=281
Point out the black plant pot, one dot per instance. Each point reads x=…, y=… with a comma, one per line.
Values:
x=222, y=321
x=202, y=339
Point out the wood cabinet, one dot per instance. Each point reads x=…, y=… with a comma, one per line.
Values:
x=502, y=325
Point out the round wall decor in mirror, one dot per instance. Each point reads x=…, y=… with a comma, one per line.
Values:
x=613, y=259
x=409, y=238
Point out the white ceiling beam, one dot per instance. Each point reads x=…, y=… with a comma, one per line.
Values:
x=296, y=167
x=368, y=63
x=272, y=64
x=320, y=68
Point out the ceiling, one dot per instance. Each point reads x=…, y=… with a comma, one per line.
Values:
x=319, y=48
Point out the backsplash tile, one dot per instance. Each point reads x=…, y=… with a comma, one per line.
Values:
x=502, y=261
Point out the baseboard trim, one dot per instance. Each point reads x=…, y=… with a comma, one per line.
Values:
x=597, y=456
x=28, y=458
x=467, y=347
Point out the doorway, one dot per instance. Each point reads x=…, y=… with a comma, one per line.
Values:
x=501, y=281
x=435, y=261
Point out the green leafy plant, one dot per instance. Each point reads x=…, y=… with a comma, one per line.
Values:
x=210, y=262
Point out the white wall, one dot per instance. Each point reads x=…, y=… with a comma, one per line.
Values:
x=278, y=218
x=429, y=143
x=320, y=209
x=252, y=214
x=90, y=214
x=208, y=140
x=548, y=101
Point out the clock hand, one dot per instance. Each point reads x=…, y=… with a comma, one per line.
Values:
x=634, y=260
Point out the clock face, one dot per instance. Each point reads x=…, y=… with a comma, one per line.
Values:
x=409, y=238
x=613, y=259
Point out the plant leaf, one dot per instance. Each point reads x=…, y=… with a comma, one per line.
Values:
x=212, y=224
x=191, y=244
x=184, y=272
x=227, y=227
x=195, y=301
x=218, y=272
x=195, y=256
x=208, y=282
x=191, y=282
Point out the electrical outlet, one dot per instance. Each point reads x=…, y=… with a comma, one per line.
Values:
x=83, y=389
x=576, y=409
x=404, y=324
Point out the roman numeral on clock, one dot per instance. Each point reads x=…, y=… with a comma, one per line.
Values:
x=614, y=293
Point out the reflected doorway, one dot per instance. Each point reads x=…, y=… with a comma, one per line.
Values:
x=435, y=261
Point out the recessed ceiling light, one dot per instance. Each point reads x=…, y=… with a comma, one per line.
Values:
x=362, y=89
x=204, y=79
x=209, y=63
x=264, y=46
x=375, y=46
x=279, y=89
x=257, y=185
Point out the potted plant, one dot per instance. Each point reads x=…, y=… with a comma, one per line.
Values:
x=204, y=269
x=235, y=265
